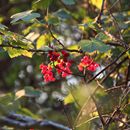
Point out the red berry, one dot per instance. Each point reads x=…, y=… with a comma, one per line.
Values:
x=53, y=55
x=63, y=68
x=64, y=53
x=47, y=72
x=87, y=63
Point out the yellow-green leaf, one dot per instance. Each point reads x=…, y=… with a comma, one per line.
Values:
x=75, y=46
x=69, y=99
x=43, y=40
x=27, y=53
x=18, y=52
x=97, y=3
x=1, y=39
x=128, y=53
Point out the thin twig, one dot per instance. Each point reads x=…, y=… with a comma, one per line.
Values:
x=127, y=74
x=114, y=68
x=108, y=121
x=113, y=62
x=60, y=43
x=114, y=4
x=115, y=87
x=98, y=110
x=101, y=12
x=36, y=50
x=68, y=116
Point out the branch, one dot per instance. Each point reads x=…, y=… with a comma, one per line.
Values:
x=115, y=87
x=20, y=121
x=18, y=47
x=114, y=68
x=108, y=121
x=101, y=12
x=113, y=62
x=127, y=74
x=116, y=24
x=37, y=50
x=55, y=38
x=98, y=110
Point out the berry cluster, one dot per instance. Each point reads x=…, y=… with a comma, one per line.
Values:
x=62, y=65
x=63, y=68
x=87, y=63
x=47, y=72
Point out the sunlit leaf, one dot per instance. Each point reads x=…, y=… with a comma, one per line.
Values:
x=128, y=53
x=43, y=40
x=97, y=3
x=1, y=39
x=69, y=99
x=25, y=16
x=75, y=46
x=3, y=26
x=18, y=52
x=20, y=93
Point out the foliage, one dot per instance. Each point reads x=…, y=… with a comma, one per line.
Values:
x=82, y=49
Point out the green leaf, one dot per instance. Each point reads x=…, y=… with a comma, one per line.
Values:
x=53, y=20
x=46, y=48
x=69, y=2
x=30, y=91
x=93, y=45
x=40, y=4
x=63, y=14
x=19, y=16
x=3, y=26
x=25, y=16
x=8, y=103
x=31, y=16
x=69, y=99
x=27, y=91
x=128, y=53
x=27, y=112
x=103, y=37
x=1, y=39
